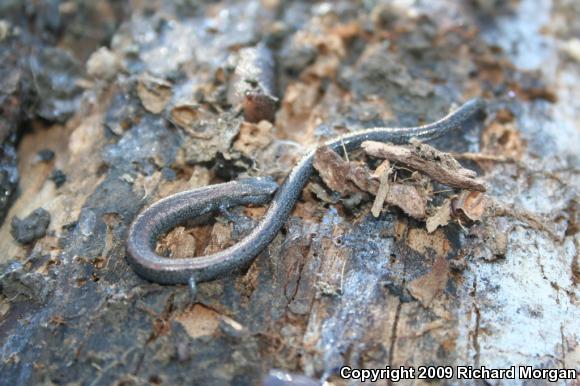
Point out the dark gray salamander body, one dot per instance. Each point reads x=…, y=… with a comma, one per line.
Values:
x=165, y=214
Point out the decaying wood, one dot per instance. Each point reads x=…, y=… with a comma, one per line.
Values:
x=334, y=171
x=481, y=157
x=384, y=188
x=108, y=107
x=439, y=166
x=350, y=178
x=497, y=208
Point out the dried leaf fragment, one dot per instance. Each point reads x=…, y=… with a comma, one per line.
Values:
x=154, y=93
x=409, y=198
x=185, y=114
x=333, y=170
x=360, y=176
x=441, y=217
x=468, y=206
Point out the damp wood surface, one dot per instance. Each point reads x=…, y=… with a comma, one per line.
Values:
x=109, y=106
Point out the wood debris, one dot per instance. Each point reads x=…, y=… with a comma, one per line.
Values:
x=179, y=243
x=198, y=321
x=503, y=139
x=154, y=93
x=482, y=157
x=427, y=287
x=350, y=179
x=334, y=171
x=254, y=84
x=331, y=275
x=253, y=137
x=470, y=205
x=467, y=207
x=496, y=209
x=441, y=217
x=409, y=198
x=438, y=165
x=383, y=190
x=186, y=115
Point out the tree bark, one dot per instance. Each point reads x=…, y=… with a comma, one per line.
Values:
x=150, y=115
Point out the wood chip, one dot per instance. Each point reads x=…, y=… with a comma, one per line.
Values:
x=253, y=137
x=409, y=198
x=361, y=177
x=426, y=159
x=426, y=288
x=441, y=217
x=503, y=140
x=177, y=244
x=333, y=170
x=185, y=114
x=382, y=193
x=468, y=206
x=199, y=321
x=154, y=93
x=482, y=157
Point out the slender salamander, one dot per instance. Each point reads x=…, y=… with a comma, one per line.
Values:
x=171, y=211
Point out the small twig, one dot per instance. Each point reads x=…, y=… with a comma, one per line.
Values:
x=426, y=159
x=482, y=157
